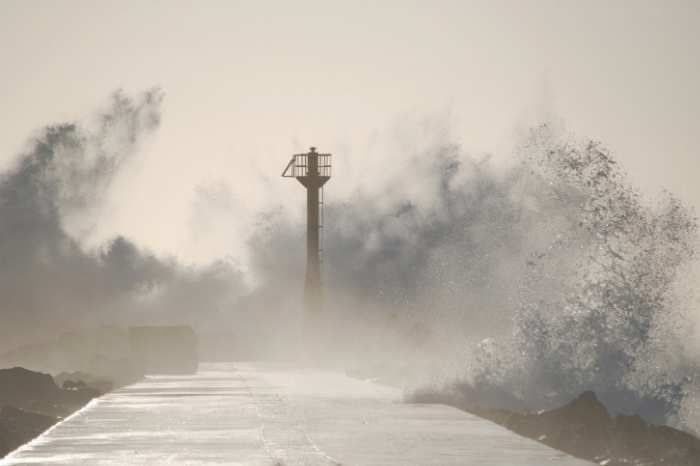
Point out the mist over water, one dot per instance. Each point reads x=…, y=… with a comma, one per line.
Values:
x=49, y=282
x=539, y=280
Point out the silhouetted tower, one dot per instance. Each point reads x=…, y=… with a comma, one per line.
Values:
x=312, y=170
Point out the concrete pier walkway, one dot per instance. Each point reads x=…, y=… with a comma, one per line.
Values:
x=265, y=414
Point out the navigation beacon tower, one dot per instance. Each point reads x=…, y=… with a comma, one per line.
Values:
x=312, y=170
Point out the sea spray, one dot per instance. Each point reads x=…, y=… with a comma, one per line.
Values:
x=561, y=270
x=50, y=281
x=597, y=309
x=568, y=279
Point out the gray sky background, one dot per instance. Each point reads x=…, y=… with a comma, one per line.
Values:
x=248, y=84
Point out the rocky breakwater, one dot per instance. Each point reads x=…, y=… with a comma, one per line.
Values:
x=584, y=429
x=88, y=354
x=32, y=402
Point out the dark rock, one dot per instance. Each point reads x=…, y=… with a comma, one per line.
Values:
x=527, y=424
x=692, y=457
x=586, y=409
x=583, y=441
x=583, y=428
x=48, y=409
x=71, y=384
x=18, y=427
x=76, y=398
x=103, y=384
x=19, y=387
x=63, y=377
x=632, y=434
x=32, y=402
x=15, y=434
x=36, y=421
x=4, y=447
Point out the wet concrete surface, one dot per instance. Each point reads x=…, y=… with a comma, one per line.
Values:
x=268, y=414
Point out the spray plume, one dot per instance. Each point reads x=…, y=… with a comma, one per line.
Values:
x=541, y=280
x=47, y=281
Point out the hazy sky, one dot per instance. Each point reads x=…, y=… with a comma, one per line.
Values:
x=249, y=83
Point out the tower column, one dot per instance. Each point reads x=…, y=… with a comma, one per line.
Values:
x=312, y=170
x=313, y=326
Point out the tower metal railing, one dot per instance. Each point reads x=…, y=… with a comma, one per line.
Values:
x=299, y=166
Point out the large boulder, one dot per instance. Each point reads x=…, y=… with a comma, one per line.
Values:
x=73, y=379
x=19, y=387
x=32, y=402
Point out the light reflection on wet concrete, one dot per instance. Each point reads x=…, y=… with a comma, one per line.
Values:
x=266, y=414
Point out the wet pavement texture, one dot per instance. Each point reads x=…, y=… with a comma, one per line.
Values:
x=272, y=414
